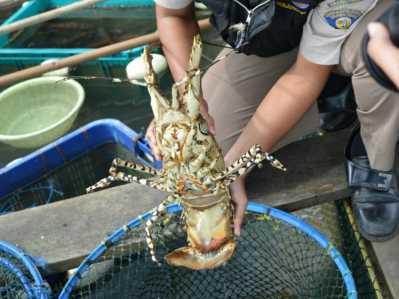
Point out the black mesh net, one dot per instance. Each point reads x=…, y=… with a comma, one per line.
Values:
x=13, y=276
x=335, y=220
x=10, y=285
x=272, y=260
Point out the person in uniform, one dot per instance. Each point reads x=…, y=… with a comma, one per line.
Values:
x=265, y=91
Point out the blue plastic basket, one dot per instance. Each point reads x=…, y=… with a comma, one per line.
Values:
x=26, y=171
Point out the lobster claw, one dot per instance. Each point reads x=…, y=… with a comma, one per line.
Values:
x=193, y=259
x=209, y=233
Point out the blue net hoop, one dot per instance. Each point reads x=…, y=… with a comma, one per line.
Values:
x=288, y=219
x=24, y=267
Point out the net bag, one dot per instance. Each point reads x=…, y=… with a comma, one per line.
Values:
x=19, y=276
x=277, y=256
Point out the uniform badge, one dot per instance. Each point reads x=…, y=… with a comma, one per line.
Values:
x=342, y=19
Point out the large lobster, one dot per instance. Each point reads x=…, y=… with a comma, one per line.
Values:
x=193, y=170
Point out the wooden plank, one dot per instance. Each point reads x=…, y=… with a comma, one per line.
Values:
x=387, y=255
x=315, y=174
x=65, y=232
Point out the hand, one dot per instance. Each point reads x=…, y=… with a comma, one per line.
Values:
x=383, y=51
x=240, y=198
x=208, y=118
x=150, y=136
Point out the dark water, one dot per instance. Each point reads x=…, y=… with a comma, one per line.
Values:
x=91, y=28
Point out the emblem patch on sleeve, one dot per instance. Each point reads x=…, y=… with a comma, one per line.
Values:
x=342, y=18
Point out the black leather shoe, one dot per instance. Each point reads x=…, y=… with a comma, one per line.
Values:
x=375, y=194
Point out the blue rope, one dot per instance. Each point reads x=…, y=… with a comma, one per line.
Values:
x=10, y=204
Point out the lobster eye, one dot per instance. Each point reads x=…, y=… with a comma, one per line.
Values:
x=203, y=127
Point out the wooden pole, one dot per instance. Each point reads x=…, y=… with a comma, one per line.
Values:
x=45, y=16
x=79, y=58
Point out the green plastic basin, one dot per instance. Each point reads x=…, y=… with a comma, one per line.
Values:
x=38, y=111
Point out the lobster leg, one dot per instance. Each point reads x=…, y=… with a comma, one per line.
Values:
x=123, y=177
x=156, y=213
x=117, y=162
x=246, y=162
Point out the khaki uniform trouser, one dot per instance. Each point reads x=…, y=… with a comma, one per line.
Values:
x=235, y=86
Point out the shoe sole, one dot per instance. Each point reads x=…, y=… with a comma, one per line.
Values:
x=372, y=238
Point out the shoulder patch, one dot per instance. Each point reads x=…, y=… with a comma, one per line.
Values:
x=342, y=18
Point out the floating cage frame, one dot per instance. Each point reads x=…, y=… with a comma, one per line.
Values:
x=21, y=57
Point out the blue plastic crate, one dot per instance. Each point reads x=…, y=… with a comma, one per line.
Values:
x=65, y=168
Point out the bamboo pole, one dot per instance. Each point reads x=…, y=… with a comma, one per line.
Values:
x=45, y=16
x=38, y=70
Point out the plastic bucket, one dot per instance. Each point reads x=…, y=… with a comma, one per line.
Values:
x=38, y=111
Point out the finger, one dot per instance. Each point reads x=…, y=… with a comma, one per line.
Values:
x=378, y=31
x=205, y=114
x=211, y=123
x=239, y=216
x=150, y=136
x=380, y=45
x=155, y=149
x=383, y=51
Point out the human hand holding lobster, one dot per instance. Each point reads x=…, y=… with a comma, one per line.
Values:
x=240, y=199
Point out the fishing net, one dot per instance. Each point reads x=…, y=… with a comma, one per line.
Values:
x=277, y=256
x=12, y=281
x=336, y=221
x=19, y=277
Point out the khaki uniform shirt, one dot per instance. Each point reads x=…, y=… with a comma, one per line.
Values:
x=327, y=26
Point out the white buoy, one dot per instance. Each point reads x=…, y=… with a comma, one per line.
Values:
x=64, y=72
x=200, y=6
x=25, y=3
x=135, y=69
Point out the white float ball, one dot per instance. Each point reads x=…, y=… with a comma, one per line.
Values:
x=64, y=72
x=200, y=6
x=135, y=69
